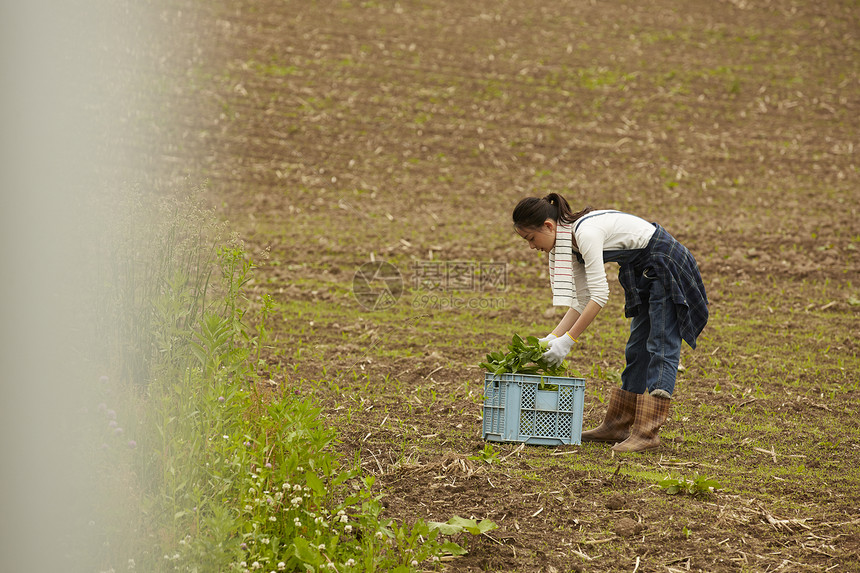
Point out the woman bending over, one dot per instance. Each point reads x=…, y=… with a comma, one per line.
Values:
x=663, y=295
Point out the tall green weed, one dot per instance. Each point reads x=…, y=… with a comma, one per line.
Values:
x=198, y=469
x=155, y=268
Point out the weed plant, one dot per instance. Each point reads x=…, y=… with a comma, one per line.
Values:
x=156, y=265
x=701, y=486
x=198, y=470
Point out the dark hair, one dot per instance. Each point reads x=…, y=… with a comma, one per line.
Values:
x=531, y=212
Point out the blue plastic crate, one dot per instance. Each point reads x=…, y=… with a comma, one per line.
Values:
x=516, y=409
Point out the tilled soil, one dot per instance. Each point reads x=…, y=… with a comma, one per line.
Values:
x=333, y=133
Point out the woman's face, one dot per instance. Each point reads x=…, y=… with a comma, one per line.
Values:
x=541, y=238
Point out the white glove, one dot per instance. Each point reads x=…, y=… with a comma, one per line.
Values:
x=548, y=337
x=558, y=349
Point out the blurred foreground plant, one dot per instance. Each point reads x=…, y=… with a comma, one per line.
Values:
x=199, y=469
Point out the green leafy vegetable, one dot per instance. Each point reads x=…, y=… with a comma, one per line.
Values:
x=488, y=454
x=458, y=524
x=524, y=356
x=697, y=486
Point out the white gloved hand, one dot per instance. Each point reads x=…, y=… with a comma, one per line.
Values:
x=547, y=338
x=558, y=349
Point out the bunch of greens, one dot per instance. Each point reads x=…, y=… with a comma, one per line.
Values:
x=696, y=486
x=523, y=357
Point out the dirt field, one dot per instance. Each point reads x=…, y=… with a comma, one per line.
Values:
x=336, y=133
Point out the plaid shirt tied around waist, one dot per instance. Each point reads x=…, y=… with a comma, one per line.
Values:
x=676, y=268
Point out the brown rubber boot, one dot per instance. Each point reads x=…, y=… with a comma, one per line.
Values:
x=619, y=417
x=651, y=413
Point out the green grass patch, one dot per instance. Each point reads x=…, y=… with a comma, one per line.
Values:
x=201, y=466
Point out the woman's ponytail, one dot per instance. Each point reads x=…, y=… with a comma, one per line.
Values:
x=531, y=212
x=562, y=208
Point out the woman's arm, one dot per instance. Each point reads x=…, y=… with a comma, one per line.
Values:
x=559, y=347
x=583, y=320
x=576, y=323
x=567, y=321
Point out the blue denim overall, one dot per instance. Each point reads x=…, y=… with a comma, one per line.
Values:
x=653, y=350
